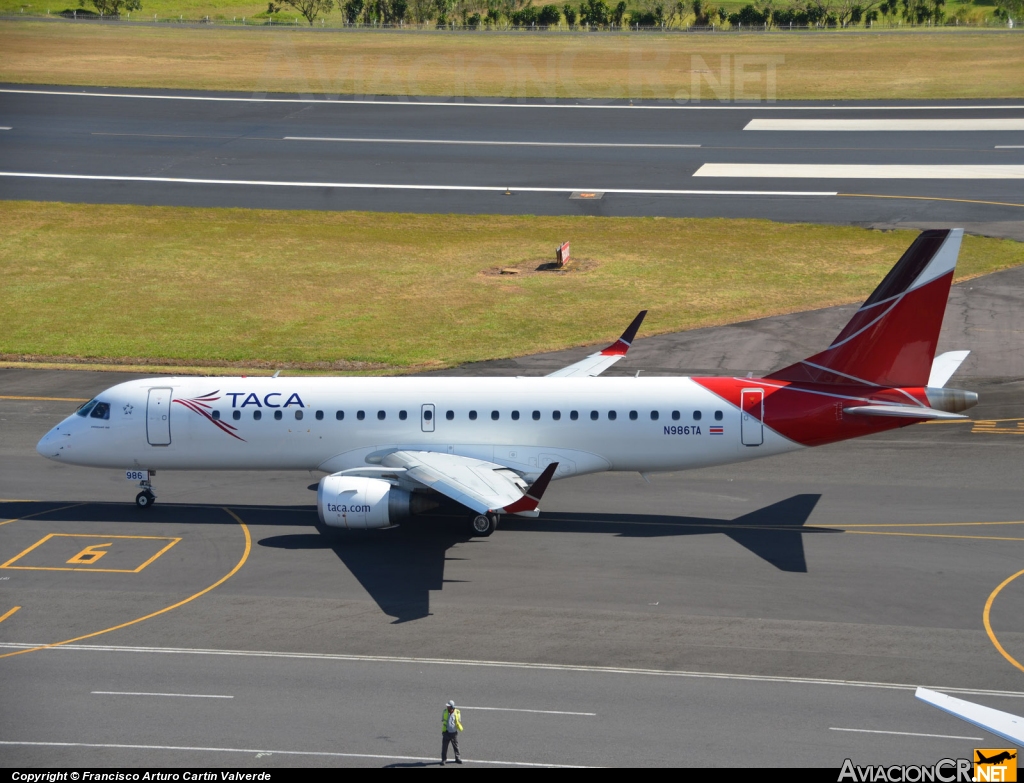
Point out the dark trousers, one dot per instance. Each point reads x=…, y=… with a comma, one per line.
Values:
x=453, y=738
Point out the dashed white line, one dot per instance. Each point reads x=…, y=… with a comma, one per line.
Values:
x=555, y=667
x=858, y=171
x=470, y=103
x=908, y=734
x=329, y=754
x=484, y=143
x=5, y=127
x=393, y=186
x=1009, y=147
x=847, y=124
x=537, y=712
x=176, y=695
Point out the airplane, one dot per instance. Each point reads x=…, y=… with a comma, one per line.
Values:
x=1003, y=724
x=390, y=446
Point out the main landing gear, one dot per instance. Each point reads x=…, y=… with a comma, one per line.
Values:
x=484, y=524
x=145, y=498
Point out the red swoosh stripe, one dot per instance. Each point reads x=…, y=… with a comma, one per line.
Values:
x=193, y=406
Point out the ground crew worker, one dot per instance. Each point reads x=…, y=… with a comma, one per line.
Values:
x=451, y=722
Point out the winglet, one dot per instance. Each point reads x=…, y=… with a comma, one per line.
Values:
x=620, y=346
x=531, y=498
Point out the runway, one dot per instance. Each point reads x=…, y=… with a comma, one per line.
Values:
x=849, y=163
x=771, y=613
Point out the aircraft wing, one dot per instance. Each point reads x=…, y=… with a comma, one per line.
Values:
x=481, y=486
x=1003, y=724
x=597, y=363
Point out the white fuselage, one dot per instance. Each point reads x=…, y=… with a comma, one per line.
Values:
x=587, y=425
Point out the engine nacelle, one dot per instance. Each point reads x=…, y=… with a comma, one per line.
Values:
x=359, y=503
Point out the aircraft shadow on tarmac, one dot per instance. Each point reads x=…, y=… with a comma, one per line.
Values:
x=400, y=566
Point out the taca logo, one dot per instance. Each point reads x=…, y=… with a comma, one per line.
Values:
x=251, y=398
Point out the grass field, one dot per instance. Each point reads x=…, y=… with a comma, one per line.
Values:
x=974, y=11
x=923, y=65
x=325, y=289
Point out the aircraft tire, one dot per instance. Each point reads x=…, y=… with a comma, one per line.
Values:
x=145, y=499
x=483, y=525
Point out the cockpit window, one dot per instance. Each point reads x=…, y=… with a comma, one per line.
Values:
x=84, y=410
x=101, y=411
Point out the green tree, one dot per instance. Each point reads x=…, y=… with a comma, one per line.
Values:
x=113, y=7
x=310, y=9
x=570, y=14
x=1011, y=9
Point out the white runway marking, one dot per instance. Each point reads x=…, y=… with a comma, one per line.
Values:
x=858, y=171
x=178, y=695
x=469, y=103
x=5, y=127
x=490, y=143
x=555, y=667
x=537, y=712
x=391, y=186
x=957, y=124
x=429, y=759
x=1009, y=147
x=909, y=734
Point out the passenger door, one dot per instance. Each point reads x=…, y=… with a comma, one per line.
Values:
x=752, y=417
x=158, y=417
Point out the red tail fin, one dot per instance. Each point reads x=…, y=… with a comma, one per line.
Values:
x=891, y=340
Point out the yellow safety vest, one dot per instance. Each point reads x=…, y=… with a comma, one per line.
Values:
x=444, y=720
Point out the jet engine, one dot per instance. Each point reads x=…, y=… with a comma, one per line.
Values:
x=359, y=503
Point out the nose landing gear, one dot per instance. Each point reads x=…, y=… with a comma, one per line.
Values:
x=145, y=498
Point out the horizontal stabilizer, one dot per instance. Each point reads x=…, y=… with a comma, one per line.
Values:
x=597, y=363
x=944, y=366
x=901, y=412
x=1003, y=724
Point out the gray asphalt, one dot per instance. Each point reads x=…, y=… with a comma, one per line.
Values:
x=763, y=571
x=246, y=141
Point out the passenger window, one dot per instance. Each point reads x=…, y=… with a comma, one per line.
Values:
x=450, y=415
x=612, y=415
x=675, y=415
x=594, y=415
x=632, y=415
x=472, y=415
x=381, y=415
x=278, y=415
x=257, y=415
x=556, y=415
x=696, y=415
x=574, y=415
x=215, y=415
x=427, y=414
x=515, y=415
x=360, y=415
x=654, y=415
x=536, y=415
x=403, y=415
x=339, y=415
x=101, y=411
x=84, y=410
x=298, y=415
x=236, y=415
x=718, y=415
x=494, y=415
x=319, y=415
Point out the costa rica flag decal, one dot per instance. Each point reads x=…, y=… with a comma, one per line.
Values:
x=716, y=430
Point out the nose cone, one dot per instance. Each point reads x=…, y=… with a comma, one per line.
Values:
x=49, y=445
